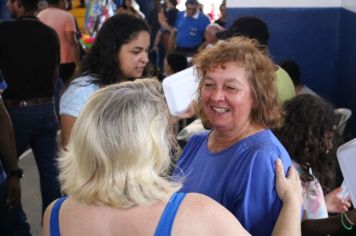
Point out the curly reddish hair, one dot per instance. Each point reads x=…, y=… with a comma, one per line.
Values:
x=253, y=57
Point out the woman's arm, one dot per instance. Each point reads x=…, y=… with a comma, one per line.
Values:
x=67, y=123
x=8, y=149
x=290, y=191
x=332, y=225
x=164, y=22
x=157, y=41
x=335, y=204
x=172, y=39
x=72, y=103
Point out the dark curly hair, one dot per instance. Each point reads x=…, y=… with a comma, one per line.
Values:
x=102, y=59
x=308, y=120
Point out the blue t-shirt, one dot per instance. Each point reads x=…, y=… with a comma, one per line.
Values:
x=190, y=30
x=241, y=177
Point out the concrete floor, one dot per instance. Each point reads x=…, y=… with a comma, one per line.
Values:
x=31, y=196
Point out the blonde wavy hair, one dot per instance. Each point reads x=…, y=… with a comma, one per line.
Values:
x=247, y=53
x=118, y=152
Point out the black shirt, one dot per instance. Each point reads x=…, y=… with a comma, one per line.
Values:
x=172, y=16
x=29, y=57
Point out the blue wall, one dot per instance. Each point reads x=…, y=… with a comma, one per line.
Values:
x=321, y=40
x=347, y=65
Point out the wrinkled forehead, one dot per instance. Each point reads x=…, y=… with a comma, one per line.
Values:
x=222, y=65
x=211, y=69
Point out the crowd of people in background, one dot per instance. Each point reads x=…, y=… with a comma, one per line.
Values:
x=256, y=158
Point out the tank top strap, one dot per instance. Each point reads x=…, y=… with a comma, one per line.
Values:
x=54, y=220
x=165, y=224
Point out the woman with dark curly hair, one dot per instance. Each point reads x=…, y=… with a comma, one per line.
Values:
x=119, y=53
x=308, y=135
x=234, y=162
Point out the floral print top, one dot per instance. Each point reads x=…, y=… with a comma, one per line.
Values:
x=314, y=206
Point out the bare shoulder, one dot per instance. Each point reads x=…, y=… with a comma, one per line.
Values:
x=201, y=215
x=207, y=208
x=201, y=203
x=46, y=219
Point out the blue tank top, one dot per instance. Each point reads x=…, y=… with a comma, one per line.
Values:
x=165, y=224
x=164, y=227
x=54, y=220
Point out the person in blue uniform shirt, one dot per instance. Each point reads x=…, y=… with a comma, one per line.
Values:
x=190, y=27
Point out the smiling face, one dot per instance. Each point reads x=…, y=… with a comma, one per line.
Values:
x=226, y=98
x=133, y=56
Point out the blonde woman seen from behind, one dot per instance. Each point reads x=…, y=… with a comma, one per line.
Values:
x=115, y=174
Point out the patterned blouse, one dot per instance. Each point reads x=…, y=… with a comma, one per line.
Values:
x=314, y=206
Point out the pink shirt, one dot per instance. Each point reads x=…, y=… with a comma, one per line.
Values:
x=61, y=21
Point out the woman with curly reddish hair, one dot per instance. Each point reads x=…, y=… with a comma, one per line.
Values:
x=234, y=162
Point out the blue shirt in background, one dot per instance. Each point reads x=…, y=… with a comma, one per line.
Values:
x=190, y=30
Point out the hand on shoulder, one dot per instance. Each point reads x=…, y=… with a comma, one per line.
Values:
x=289, y=189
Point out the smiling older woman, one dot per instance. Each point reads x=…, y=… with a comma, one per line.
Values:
x=234, y=162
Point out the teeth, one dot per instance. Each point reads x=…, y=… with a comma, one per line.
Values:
x=220, y=109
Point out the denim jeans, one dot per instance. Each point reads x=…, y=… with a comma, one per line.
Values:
x=37, y=126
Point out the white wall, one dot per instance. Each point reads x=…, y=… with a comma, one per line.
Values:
x=348, y=4
x=288, y=3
